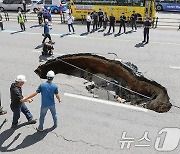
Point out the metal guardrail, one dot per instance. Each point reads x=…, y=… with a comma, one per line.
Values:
x=156, y=22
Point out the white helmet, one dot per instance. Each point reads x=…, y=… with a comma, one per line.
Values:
x=20, y=78
x=46, y=20
x=50, y=74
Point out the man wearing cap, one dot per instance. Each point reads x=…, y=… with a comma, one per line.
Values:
x=47, y=90
x=17, y=101
x=46, y=31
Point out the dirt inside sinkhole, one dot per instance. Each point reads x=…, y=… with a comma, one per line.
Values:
x=105, y=76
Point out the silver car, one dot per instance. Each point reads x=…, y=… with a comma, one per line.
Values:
x=13, y=5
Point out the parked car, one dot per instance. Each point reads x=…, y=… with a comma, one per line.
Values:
x=13, y=5
x=56, y=9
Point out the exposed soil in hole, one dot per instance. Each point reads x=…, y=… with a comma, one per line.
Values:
x=119, y=73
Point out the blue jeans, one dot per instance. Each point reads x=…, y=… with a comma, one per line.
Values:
x=17, y=111
x=43, y=114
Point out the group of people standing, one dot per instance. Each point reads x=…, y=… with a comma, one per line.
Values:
x=99, y=19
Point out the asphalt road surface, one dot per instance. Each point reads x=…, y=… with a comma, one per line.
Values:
x=87, y=125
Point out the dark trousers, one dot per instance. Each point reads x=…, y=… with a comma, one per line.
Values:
x=133, y=24
x=146, y=35
x=111, y=25
x=47, y=36
x=88, y=26
x=104, y=24
x=17, y=111
x=1, y=25
x=100, y=23
x=22, y=25
x=122, y=25
x=95, y=25
x=40, y=20
x=70, y=26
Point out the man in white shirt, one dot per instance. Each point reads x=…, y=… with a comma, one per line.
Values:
x=88, y=19
x=70, y=20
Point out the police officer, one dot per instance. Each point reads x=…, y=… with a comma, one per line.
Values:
x=147, y=26
x=133, y=20
x=95, y=20
x=112, y=21
x=122, y=23
x=100, y=15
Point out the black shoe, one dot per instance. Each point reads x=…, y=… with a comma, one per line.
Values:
x=13, y=126
x=146, y=42
x=3, y=112
x=143, y=41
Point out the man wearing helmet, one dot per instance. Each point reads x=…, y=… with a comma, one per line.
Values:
x=17, y=101
x=47, y=90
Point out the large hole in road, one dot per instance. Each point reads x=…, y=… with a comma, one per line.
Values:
x=120, y=80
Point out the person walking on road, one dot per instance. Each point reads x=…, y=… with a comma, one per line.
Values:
x=147, y=26
x=24, y=5
x=70, y=20
x=21, y=21
x=46, y=31
x=88, y=20
x=122, y=23
x=17, y=101
x=47, y=90
x=112, y=21
x=133, y=20
x=1, y=22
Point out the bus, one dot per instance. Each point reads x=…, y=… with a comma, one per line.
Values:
x=143, y=8
x=168, y=5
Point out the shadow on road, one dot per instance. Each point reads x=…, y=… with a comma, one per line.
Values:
x=34, y=26
x=17, y=32
x=32, y=139
x=63, y=35
x=84, y=34
x=39, y=46
x=5, y=120
x=7, y=134
x=139, y=45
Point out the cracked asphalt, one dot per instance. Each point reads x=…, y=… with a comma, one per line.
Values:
x=85, y=126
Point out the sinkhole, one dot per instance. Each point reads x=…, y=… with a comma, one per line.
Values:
x=121, y=80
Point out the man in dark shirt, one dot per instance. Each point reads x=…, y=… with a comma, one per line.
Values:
x=122, y=23
x=133, y=20
x=100, y=15
x=17, y=101
x=95, y=20
x=112, y=21
x=147, y=26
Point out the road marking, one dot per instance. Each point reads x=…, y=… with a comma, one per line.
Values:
x=175, y=67
x=97, y=38
x=106, y=102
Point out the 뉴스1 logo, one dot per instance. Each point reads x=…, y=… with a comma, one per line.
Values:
x=169, y=142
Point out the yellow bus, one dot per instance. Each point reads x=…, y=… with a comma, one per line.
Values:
x=143, y=8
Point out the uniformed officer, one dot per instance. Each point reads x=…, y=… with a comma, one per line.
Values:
x=147, y=26
x=21, y=21
x=122, y=23
x=133, y=20
x=95, y=20
x=112, y=21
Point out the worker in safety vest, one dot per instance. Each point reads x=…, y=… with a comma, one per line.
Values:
x=21, y=21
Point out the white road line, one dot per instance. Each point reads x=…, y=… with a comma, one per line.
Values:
x=175, y=67
x=106, y=102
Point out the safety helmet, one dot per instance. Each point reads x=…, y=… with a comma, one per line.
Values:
x=50, y=74
x=20, y=78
